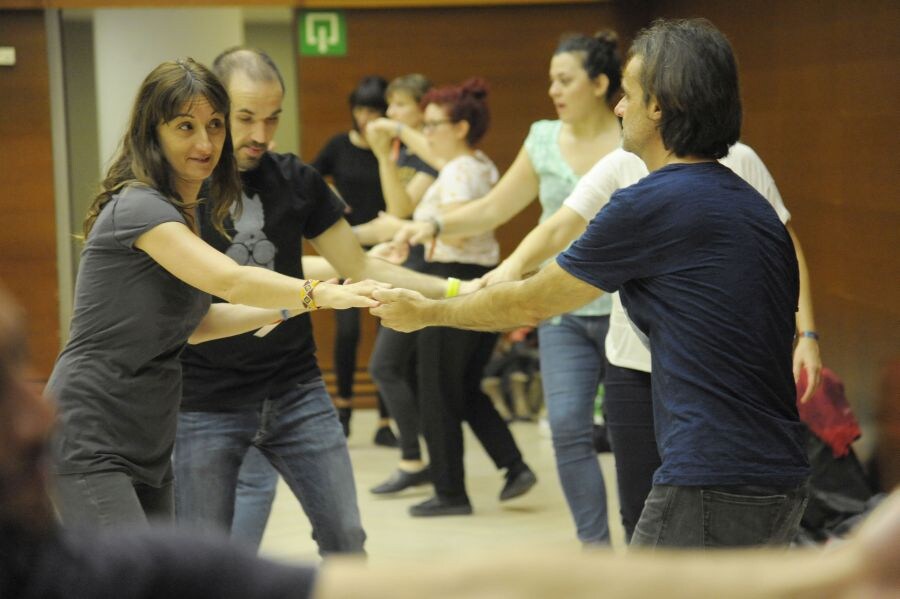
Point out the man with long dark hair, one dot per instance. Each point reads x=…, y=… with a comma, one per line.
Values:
x=708, y=275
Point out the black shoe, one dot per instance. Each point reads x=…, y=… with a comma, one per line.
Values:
x=344, y=416
x=441, y=506
x=519, y=480
x=384, y=436
x=401, y=479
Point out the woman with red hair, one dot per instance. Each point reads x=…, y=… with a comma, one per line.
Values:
x=451, y=361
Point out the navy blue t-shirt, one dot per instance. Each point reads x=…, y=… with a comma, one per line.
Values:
x=708, y=273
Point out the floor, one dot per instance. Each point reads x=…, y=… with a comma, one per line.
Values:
x=539, y=518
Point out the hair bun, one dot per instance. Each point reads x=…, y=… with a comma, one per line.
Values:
x=607, y=36
x=475, y=87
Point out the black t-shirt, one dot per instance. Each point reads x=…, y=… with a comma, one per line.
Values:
x=143, y=565
x=355, y=174
x=284, y=200
x=707, y=272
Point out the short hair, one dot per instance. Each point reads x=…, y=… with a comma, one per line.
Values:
x=369, y=93
x=601, y=56
x=689, y=67
x=464, y=102
x=413, y=84
x=253, y=62
x=140, y=158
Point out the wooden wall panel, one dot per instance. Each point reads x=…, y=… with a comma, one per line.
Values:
x=510, y=46
x=820, y=87
x=28, y=246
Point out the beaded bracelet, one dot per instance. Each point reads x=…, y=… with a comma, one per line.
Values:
x=309, y=302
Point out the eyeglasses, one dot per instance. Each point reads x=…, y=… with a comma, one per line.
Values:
x=428, y=125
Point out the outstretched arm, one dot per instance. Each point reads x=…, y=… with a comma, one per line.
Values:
x=543, y=242
x=339, y=247
x=552, y=291
x=225, y=320
x=215, y=273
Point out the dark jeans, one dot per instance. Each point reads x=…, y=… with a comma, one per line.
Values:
x=451, y=364
x=628, y=410
x=392, y=367
x=111, y=500
x=720, y=516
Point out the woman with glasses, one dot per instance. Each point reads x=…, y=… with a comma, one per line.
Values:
x=451, y=361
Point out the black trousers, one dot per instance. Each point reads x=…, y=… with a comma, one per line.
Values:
x=393, y=368
x=346, y=342
x=450, y=364
x=628, y=410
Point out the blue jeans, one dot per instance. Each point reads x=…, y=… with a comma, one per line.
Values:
x=299, y=433
x=572, y=360
x=257, y=481
x=714, y=517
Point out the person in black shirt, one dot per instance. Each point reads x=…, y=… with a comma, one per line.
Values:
x=267, y=391
x=349, y=161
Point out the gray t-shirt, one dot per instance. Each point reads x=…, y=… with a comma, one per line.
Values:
x=118, y=380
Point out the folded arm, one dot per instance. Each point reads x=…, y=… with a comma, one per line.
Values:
x=513, y=192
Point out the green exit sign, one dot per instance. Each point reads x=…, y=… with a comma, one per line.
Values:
x=323, y=33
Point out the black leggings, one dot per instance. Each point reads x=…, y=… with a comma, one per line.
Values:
x=393, y=368
x=346, y=342
x=450, y=365
x=628, y=410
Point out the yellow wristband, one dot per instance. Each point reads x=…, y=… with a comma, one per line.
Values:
x=309, y=302
x=452, y=287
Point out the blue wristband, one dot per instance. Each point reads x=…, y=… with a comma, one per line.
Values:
x=809, y=335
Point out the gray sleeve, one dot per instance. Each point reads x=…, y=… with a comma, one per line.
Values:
x=137, y=210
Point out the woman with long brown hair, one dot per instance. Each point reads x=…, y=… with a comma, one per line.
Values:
x=143, y=291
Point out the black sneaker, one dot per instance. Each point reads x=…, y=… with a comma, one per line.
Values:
x=401, y=479
x=441, y=506
x=385, y=437
x=519, y=480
